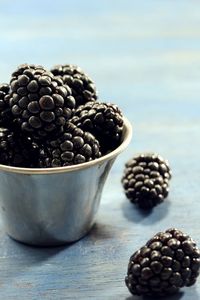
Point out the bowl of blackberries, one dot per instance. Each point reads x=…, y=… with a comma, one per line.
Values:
x=58, y=142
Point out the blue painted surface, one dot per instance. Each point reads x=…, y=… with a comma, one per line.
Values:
x=145, y=57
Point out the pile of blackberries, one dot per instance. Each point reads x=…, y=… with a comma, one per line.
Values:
x=54, y=118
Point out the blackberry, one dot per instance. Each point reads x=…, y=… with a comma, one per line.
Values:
x=39, y=102
x=83, y=88
x=5, y=113
x=16, y=150
x=74, y=146
x=168, y=262
x=103, y=120
x=146, y=180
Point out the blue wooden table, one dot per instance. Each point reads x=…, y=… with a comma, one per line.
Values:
x=145, y=57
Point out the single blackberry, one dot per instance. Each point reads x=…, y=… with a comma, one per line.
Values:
x=39, y=102
x=168, y=261
x=5, y=113
x=74, y=146
x=16, y=150
x=146, y=180
x=83, y=88
x=103, y=120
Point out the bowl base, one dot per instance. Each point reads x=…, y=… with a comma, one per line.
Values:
x=53, y=242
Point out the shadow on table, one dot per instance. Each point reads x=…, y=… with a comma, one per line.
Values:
x=33, y=254
x=101, y=231
x=21, y=259
x=136, y=215
x=177, y=296
x=30, y=255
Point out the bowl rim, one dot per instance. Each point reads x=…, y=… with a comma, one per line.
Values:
x=98, y=161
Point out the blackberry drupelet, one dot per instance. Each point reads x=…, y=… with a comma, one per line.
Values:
x=39, y=102
x=83, y=88
x=5, y=113
x=103, y=120
x=146, y=180
x=168, y=262
x=74, y=146
x=17, y=150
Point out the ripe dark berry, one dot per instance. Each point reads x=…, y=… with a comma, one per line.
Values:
x=146, y=180
x=17, y=150
x=74, y=146
x=83, y=88
x=5, y=113
x=169, y=261
x=103, y=120
x=39, y=102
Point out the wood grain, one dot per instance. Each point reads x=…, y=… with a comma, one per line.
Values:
x=145, y=57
